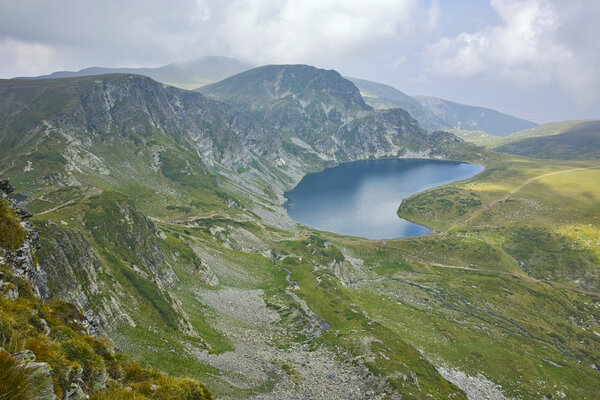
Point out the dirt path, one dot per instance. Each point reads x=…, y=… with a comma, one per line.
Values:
x=84, y=196
x=520, y=275
x=481, y=210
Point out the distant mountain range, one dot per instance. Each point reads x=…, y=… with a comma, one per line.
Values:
x=431, y=113
x=435, y=113
x=187, y=75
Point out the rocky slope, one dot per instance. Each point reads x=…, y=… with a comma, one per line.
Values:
x=327, y=113
x=51, y=350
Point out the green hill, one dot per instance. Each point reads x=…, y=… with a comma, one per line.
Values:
x=579, y=142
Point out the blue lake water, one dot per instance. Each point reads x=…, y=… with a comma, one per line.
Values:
x=361, y=198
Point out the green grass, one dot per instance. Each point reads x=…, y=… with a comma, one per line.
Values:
x=12, y=234
x=507, y=286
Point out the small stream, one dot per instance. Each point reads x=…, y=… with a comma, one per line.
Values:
x=318, y=326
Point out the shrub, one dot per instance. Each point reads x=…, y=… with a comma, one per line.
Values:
x=12, y=233
x=15, y=381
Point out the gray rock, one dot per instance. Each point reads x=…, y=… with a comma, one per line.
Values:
x=41, y=380
x=74, y=392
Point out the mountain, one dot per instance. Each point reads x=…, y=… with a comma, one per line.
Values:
x=434, y=113
x=579, y=142
x=382, y=96
x=158, y=207
x=187, y=75
x=474, y=118
x=160, y=219
x=326, y=111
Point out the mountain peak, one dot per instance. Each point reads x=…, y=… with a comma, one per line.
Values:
x=266, y=86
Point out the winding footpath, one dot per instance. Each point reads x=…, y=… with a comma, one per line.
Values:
x=481, y=210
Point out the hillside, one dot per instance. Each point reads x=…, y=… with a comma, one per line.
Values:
x=547, y=129
x=580, y=142
x=461, y=116
x=434, y=113
x=160, y=217
x=187, y=75
x=51, y=349
x=382, y=96
x=483, y=139
x=327, y=112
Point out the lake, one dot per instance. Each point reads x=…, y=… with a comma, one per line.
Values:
x=361, y=198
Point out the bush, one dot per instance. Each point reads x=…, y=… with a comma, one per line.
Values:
x=15, y=381
x=12, y=233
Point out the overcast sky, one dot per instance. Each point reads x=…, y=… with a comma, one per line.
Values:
x=537, y=59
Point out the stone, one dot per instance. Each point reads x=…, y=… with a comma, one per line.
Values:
x=25, y=356
x=41, y=380
x=6, y=187
x=74, y=392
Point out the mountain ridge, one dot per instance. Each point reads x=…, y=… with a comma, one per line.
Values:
x=187, y=75
x=581, y=141
x=434, y=113
x=439, y=115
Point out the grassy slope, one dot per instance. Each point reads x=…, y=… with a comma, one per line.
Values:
x=529, y=294
x=461, y=295
x=549, y=129
x=55, y=332
x=579, y=142
x=507, y=288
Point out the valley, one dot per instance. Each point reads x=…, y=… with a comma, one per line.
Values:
x=160, y=213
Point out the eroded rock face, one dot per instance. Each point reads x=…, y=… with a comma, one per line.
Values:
x=23, y=259
x=76, y=269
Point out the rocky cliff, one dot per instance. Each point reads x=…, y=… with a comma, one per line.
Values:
x=51, y=350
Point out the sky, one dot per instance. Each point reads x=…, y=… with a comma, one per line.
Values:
x=536, y=59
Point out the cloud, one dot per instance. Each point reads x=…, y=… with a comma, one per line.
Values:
x=536, y=42
x=141, y=33
x=26, y=57
x=322, y=31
